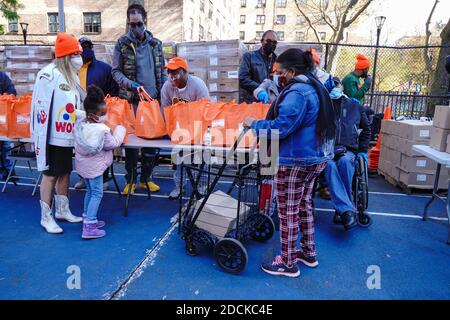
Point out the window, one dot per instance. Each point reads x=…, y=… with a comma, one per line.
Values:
x=243, y=3
x=12, y=25
x=281, y=3
x=201, y=33
x=209, y=36
x=322, y=21
x=259, y=35
x=323, y=36
x=260, y=19
x=53, y=23
x=261, y=4
x=280, y=35
x=92, y=22
x=211, y=9
x=299, y=36
x=242, y=35
x=301, y=20
x=281, y=19
x=302, y=2
x=202, y=5
x=192, y=29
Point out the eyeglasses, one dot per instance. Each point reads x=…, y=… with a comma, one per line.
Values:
x=139, y=24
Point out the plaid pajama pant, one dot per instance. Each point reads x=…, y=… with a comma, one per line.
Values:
x=294, y=187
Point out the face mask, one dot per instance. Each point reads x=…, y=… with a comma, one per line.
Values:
x=281, y=80
x=103, y=119
x=138, y=31
x=88, y=54
x=269, y=48
x=77, y=63
x=276, y=79
x=336, y=93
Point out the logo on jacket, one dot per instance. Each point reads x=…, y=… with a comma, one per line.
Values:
x=41, y=117
x=64, y=87
x=66, y=119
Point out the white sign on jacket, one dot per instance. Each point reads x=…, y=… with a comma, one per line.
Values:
x=54, y=109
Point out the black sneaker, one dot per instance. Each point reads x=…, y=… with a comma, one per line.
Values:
x=278, y=268
x=307, y=261
x=349, y=220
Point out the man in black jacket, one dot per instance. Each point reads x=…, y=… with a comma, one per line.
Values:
x=350, y=144
x=257, y=66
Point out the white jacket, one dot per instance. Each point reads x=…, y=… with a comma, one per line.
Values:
x=54, y=104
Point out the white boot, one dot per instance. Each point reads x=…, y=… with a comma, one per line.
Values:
x=47, y=220
x=63, y=210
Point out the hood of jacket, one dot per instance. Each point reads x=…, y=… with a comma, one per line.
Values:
x=90, y=137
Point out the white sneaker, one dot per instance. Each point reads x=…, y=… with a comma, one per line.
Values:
x=175, y=194
x=105, y=186
x=63, y=210
x=47, y=221
x=80, y=184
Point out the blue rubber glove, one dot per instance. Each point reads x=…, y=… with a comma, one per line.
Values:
x=135, y=85
x=263, y=97
x=364, y=155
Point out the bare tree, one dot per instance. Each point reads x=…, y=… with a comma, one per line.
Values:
x=426, y=57
x=339, y=15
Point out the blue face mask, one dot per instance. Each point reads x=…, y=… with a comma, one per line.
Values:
x=276, y=78
x=88, y=54
x=336, y=93
x=138, y=31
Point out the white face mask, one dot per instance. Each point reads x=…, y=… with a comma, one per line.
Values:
x=103, y=119
x=77, y=63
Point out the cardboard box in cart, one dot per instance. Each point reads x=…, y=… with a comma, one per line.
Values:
x=442, y=117
x=219, y=215
x=439, y=138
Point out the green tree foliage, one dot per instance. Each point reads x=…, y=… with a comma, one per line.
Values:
x=9, y=8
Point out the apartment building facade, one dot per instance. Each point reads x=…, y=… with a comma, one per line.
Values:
x=105, y=20
x=283, y=16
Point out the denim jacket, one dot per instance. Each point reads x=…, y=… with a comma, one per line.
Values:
x=296, y=125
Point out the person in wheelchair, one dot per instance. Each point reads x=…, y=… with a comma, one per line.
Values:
x=350, y=144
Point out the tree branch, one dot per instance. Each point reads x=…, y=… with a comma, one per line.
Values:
x=358, y=13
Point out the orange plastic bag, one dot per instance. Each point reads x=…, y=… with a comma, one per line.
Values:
x=19, y=121
x=6, y=102
x=184, y=122
x=120, y=112
x=149, y=119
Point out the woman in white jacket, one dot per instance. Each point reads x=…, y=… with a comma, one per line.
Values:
x=56, y=100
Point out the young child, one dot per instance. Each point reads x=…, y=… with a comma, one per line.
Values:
x=94, y=143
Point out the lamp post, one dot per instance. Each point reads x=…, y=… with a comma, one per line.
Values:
x=24, y=27
x=379, y=22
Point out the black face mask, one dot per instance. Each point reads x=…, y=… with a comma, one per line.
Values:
x=269, y=48
x=365, y=75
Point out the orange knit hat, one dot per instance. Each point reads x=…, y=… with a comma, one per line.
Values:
x=362, y=62
x=66, y=45
x=315, y=55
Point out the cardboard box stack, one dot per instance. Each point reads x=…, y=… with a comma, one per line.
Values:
x=24, y=62
x=399, y=163
x=217, y=63
x=441, y=129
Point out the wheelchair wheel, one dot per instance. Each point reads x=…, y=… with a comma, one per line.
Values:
x=364, y=220
x=191, y=250
x=231, y=255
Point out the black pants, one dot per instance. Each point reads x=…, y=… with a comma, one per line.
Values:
x=131, y=162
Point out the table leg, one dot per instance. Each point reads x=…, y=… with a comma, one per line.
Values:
x=115, y=180
x=435, y=191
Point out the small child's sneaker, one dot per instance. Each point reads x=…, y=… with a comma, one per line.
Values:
x=90, y=230
x=307, y=261
x=278, y=268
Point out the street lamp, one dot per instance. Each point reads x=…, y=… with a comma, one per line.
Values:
x=24, y=27
x=379, y=22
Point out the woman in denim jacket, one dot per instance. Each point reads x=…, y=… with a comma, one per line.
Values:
x=302, y=119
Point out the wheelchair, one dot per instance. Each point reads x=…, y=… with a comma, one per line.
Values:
x=361, y=192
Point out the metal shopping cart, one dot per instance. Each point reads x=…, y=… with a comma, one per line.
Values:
x=220, y=204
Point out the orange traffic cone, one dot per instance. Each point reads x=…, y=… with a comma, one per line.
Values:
x=374, y=153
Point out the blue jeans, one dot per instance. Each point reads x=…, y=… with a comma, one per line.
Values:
x=339, y=175
x=5, y=163
x=93, y=197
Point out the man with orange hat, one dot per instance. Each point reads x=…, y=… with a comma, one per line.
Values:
x=181, y=85
x=352, y=83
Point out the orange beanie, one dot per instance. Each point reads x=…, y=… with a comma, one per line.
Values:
x=66, y=45
x=362, y=62
x=315, y=55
